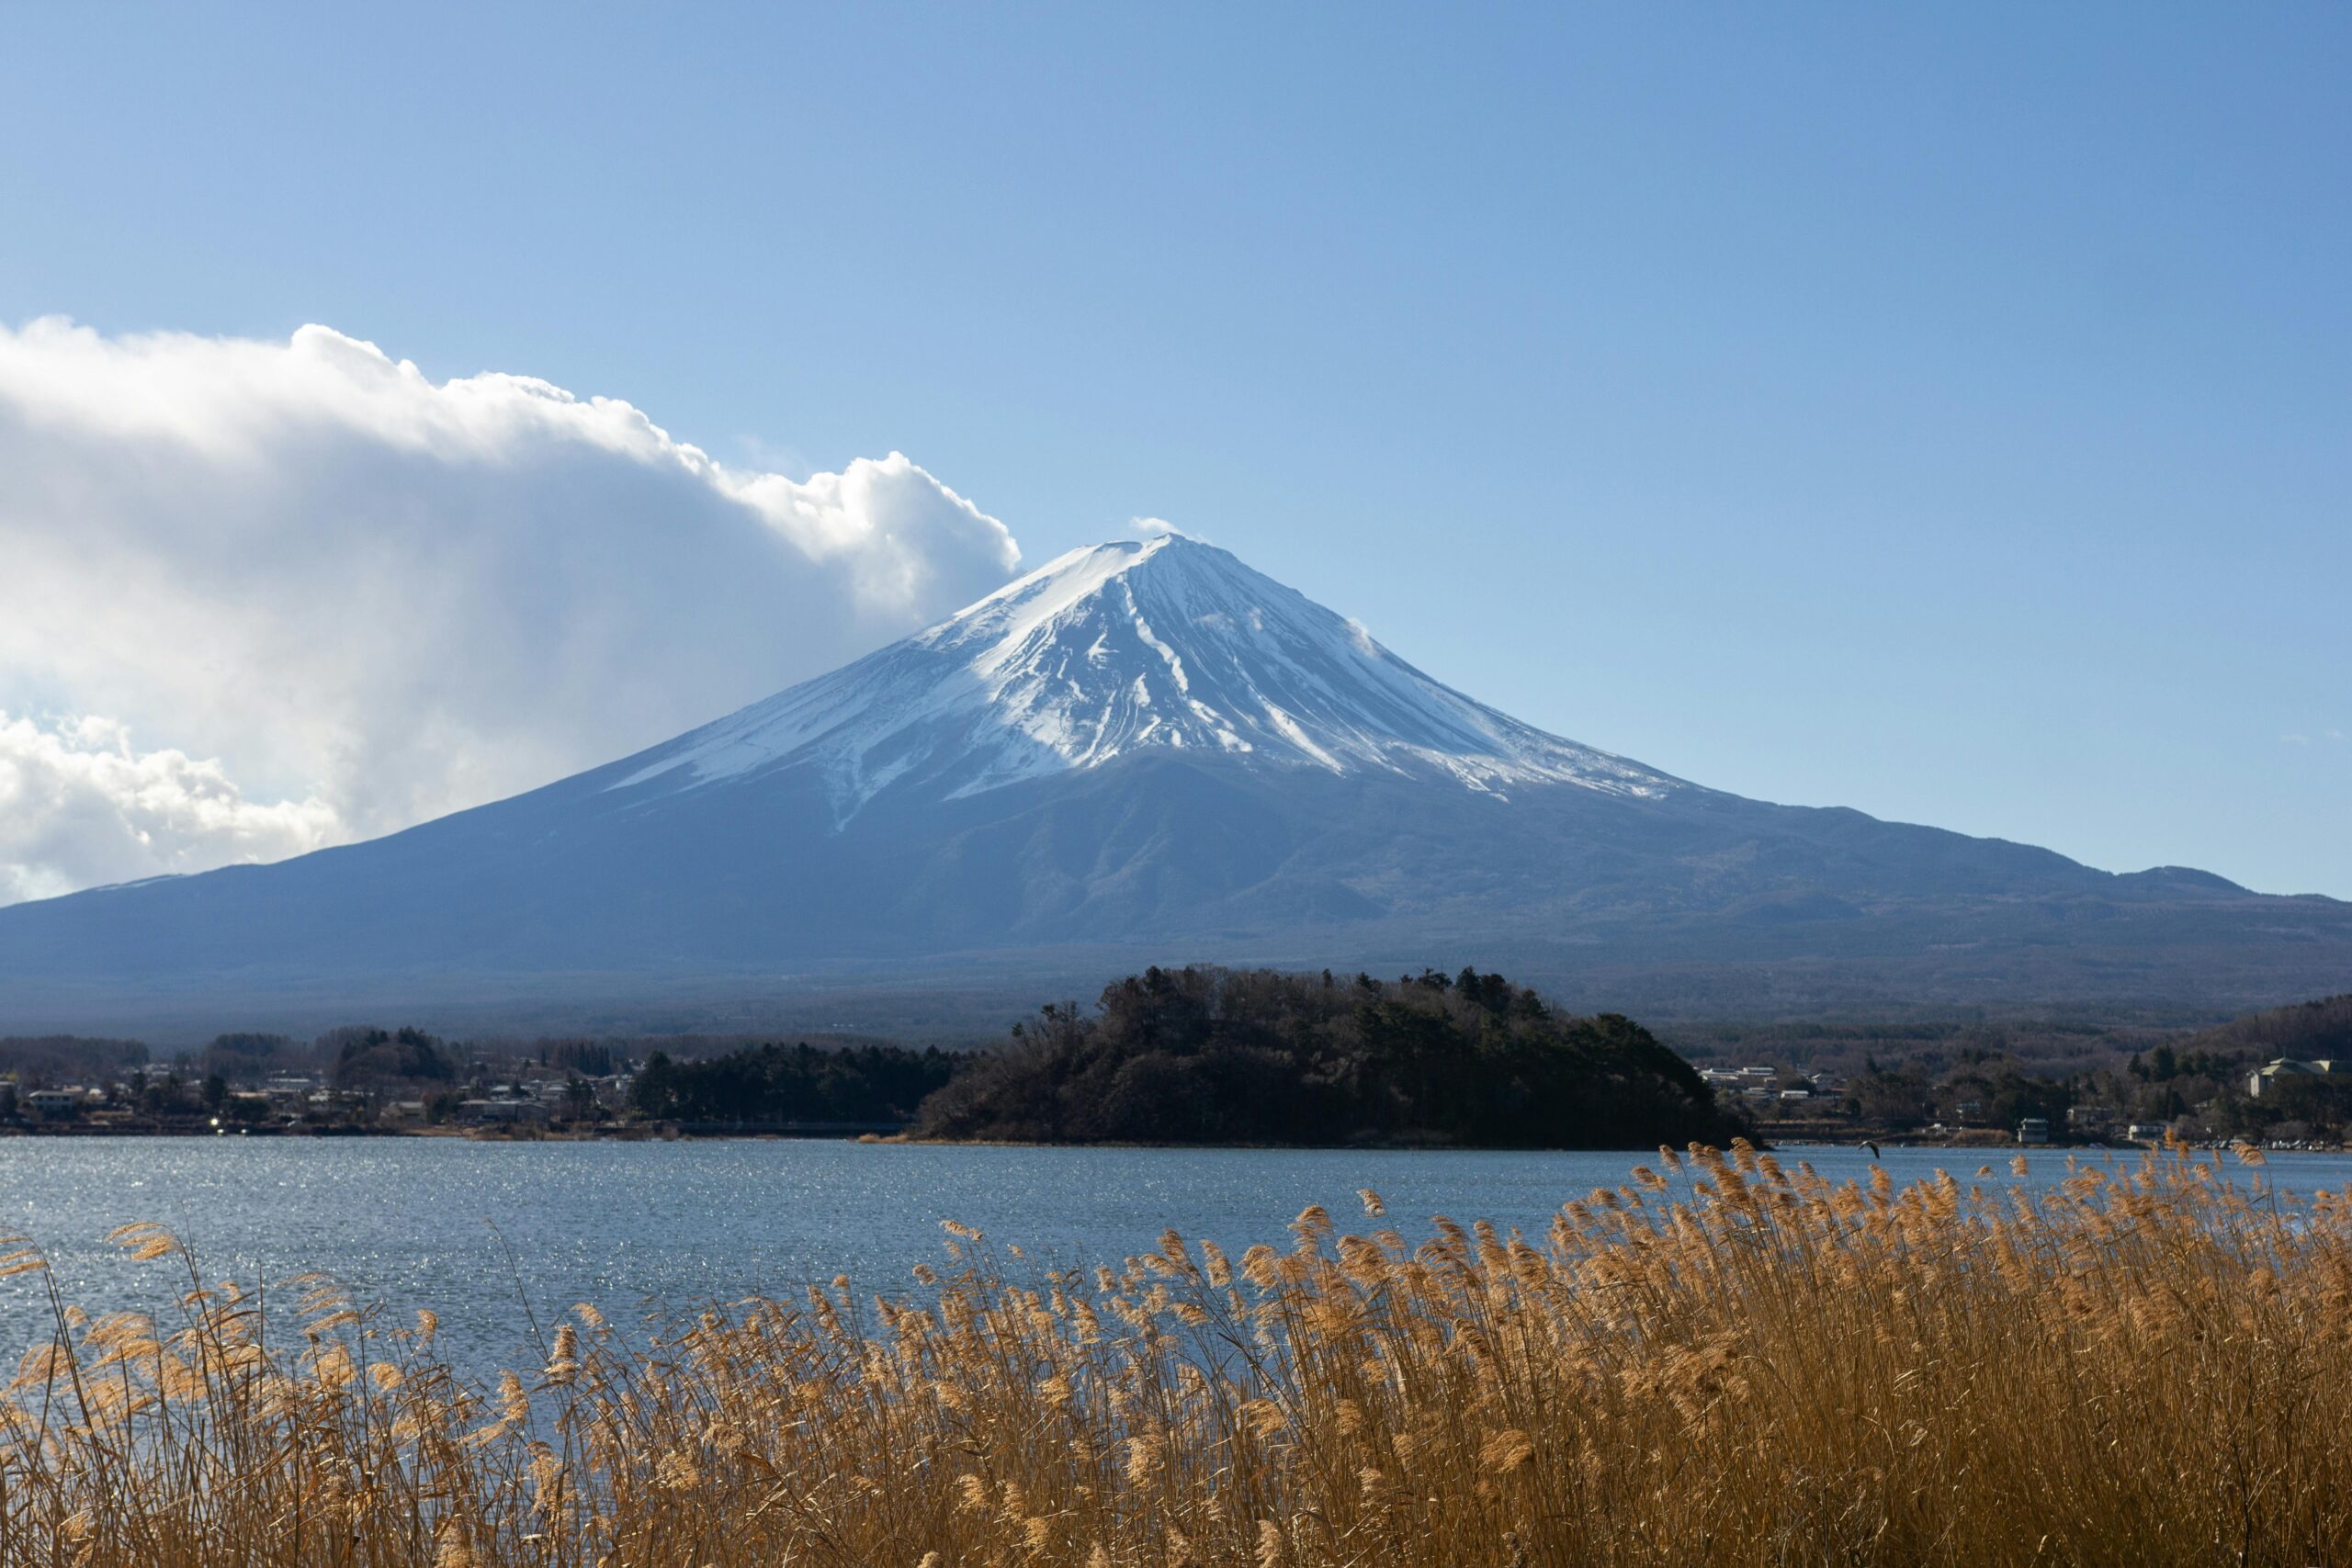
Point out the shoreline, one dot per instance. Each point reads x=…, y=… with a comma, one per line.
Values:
x=671, y=1132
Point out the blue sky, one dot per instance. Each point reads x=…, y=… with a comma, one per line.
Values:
x=1939, y=410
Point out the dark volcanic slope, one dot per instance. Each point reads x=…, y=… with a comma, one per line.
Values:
x=1104, y=766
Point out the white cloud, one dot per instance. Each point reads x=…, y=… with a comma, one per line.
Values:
x=1154, y=528
x=79, y=806
x=366, y=599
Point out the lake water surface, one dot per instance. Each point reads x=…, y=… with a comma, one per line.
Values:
x=663, y=1227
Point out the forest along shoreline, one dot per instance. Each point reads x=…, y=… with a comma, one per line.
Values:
x=1185, y=1056
x=1205, y=1056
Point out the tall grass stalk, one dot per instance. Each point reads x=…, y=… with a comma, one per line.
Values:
x=1725, y=1361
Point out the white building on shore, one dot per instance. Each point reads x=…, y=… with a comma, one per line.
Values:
x=2269, y=1073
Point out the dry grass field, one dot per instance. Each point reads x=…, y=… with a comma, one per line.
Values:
x=1725, y=1360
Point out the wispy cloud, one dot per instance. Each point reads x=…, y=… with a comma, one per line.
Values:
x=342, y=597
x=1154, y=528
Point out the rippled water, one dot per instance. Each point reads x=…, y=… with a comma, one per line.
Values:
x=638, y=1227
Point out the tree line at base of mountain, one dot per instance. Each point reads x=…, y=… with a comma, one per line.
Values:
x=1210, y=1056
x=801, y=1083
x=2319, y=1028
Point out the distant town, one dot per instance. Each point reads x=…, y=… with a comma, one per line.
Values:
x=185, y=1097
x=1796, y=1103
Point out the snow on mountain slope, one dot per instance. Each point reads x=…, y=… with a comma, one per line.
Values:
x=1163, y=643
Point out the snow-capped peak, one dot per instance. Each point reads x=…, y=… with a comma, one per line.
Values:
x=1163, y=642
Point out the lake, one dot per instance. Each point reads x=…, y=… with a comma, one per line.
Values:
x=639, y=1228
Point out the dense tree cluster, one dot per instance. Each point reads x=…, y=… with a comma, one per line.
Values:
x=2197, y=1088
x=1205, y=1055
x=35, y=1059
x=2317, y=1106
x=589, y=1058
x=1982, y=1090
x=243, y=1056
x=2314, y=1029
x=358, y=1057
x=792, y=1083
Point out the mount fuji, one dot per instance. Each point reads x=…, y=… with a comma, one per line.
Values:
x=1143, y=751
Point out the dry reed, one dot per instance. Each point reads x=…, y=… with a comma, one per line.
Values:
x=1722, y=1361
